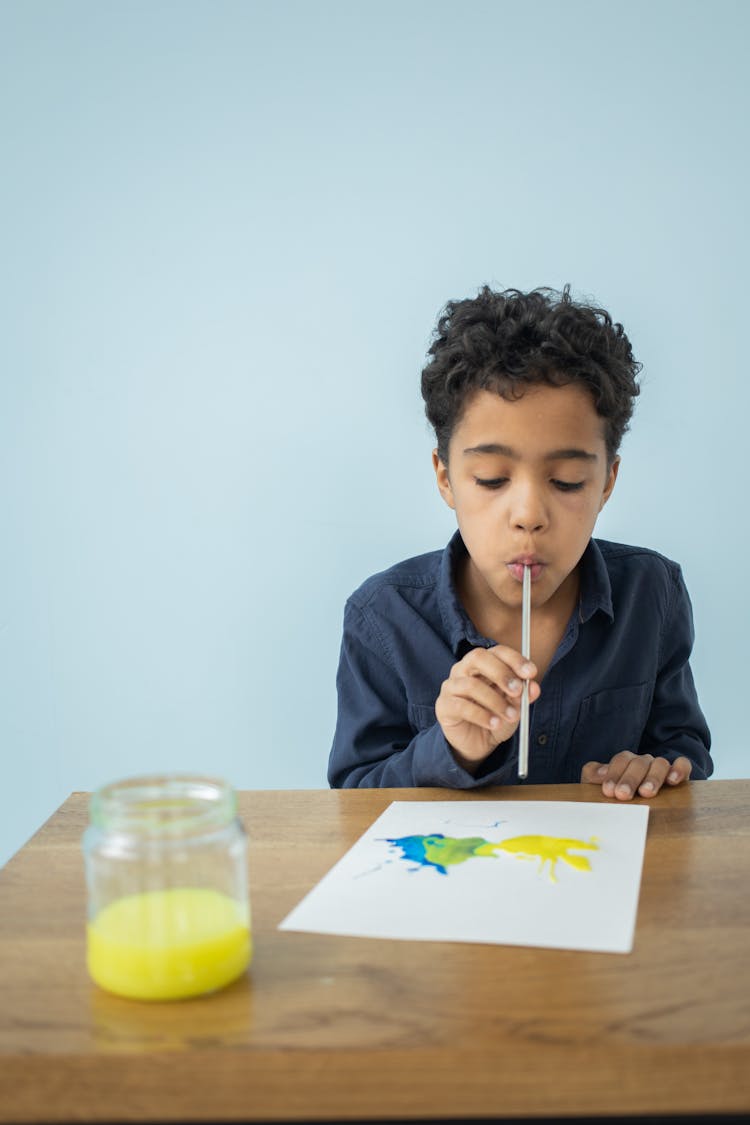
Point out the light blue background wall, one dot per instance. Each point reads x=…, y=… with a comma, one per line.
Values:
x=226, y=230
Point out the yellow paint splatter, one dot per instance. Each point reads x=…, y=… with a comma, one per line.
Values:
x=549, y=849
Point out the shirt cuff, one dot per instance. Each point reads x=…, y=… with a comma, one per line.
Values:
x=434, y=764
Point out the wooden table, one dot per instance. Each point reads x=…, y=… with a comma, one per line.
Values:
x=329, y=1028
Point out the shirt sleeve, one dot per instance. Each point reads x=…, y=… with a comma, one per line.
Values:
x=676, y=726
x=374, y=744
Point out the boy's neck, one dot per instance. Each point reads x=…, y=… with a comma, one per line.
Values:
x=502, y=623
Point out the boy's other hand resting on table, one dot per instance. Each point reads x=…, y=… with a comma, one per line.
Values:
x=629, y=775
x=479, y=705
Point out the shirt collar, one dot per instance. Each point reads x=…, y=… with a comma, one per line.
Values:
x=459, y=629
x=595, y=593
x=596, y=588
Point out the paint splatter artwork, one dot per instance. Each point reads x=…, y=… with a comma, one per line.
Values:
x=559, y=874
x=440, y=851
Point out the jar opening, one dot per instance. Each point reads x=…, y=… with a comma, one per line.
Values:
x=164, y=805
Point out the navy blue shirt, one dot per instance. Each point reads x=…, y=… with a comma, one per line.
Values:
x=619, y=680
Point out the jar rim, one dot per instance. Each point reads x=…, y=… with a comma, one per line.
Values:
x=168, y=804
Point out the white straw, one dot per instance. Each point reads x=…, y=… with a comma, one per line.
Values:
x=523, y=729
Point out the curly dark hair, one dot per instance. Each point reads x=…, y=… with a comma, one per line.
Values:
x=507, y=341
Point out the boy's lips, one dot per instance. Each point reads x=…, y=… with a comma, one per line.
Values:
x=516, y=567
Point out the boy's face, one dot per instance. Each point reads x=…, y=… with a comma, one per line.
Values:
x=527, y=480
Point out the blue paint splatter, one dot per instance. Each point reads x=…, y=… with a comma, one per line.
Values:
x=413, y=848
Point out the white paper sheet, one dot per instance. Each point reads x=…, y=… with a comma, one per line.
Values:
x=561, y=874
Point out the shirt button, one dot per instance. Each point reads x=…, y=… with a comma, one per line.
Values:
x=542, y=739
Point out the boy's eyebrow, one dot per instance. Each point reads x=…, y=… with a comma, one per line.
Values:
x=553, y=455
x=570, y=455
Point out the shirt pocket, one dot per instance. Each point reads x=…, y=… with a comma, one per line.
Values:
x=610, y=721
x=421, y=716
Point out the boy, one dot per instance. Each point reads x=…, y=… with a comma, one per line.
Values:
x=529, y=395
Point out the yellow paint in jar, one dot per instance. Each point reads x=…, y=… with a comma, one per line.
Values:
x=169, y=944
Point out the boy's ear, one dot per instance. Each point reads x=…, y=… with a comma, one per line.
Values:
x=443, y=480
x=610, y=483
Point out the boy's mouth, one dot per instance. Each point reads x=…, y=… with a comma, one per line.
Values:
x=516, y=567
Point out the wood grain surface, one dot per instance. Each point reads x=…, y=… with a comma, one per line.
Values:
x=327, y=1028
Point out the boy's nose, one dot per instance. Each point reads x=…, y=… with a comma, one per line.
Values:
x=528, y=513
x=529, y=524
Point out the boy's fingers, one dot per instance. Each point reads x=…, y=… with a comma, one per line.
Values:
x=489, y=665
x=480, y=665
x=626, y=772
x=655, y=777
x=466, y=711
x=614, y=771
x=679, y=771
x=534, y=691
x=525, y=669
x=593, y=772
x=478, y=691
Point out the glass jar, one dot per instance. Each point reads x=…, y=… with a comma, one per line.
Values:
x=168, y=909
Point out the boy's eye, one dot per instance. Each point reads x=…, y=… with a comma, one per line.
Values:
x=568, y=486
x=494, y=482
